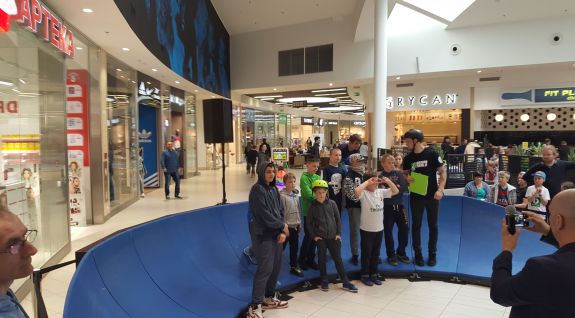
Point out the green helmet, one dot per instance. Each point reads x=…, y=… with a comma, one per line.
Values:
x=319, y=184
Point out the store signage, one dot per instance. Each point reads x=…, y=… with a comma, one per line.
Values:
x=7, y=8
x=176, y=100
x=33, y=13
x=421, y=100
x=9, y=107
x=282, y=118
x=540, y=95
x=299, y=103
x=147, y=91
x=359, y=123
x=333, y=123
x=307, y=121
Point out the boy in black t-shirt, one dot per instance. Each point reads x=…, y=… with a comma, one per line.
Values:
x=333, y=174
x=427, y=162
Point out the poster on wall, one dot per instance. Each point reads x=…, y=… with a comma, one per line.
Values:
x=78, y=144
x=148, y=141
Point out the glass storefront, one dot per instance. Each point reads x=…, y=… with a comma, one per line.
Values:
x=33, y=183
x=435, y=124
x=122, y=174
x=191, y=136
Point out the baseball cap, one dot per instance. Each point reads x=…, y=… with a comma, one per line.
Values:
x=540, y=174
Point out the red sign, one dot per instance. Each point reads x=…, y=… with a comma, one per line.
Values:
x=33, y=13
x=9, y=107
x=7, y=8
x=77, y=114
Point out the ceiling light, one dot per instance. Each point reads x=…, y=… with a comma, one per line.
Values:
x=479, y=71
x=125, y=49
x=551, y=116
x=79, y=48
x=213, y=96
x=6, y=83
x=134, y=82
x=87, y=10
x=398, y=78
x=499, y=117
x=310, y=100
x=524, y=117
x=328, y=90
x=21, y=80
x=270, y=96
x=15, y=90
x=340, y=108
x=330, y=84
x=119, y=69
x=148, y=83
x=154, y=70
x=331, y=94
x=275, y=89
x=122, y=76
x=177, y=82
x=195, y=91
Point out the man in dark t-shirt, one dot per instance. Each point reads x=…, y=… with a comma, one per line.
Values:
x=349, y=148
x=425, y=162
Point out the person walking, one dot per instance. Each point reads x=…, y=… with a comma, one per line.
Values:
x=169, y=164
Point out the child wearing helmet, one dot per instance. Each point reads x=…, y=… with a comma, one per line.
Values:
x=324, y=226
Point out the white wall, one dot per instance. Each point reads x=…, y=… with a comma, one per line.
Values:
x=254, y=56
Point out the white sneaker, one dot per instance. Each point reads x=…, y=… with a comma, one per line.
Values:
x=274, y=303
x=255, y=312
x=142, y=195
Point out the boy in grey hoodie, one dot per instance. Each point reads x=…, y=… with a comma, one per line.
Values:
x=291, y=205
x=268, y=233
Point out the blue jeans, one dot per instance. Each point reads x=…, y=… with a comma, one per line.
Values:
x=175, y=175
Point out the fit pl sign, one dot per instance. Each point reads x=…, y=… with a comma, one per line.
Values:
x=538, y=95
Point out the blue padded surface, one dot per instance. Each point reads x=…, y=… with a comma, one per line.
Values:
x=89, y=294
x=192, y=264
x=129, y=283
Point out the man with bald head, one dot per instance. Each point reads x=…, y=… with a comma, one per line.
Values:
x=16, y=253
x=545, y=285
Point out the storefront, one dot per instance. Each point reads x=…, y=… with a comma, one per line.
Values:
x=438, y=113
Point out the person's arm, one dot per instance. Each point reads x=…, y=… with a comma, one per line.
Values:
x=163, y=161
x=513, y=197
x=305, y=186
x=359, y=189
x=402, y=183
x=441, y=184
x=391, y=185
x=545, y=196
x=467, y=190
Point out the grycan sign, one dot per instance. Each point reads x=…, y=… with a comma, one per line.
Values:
x=37, y=17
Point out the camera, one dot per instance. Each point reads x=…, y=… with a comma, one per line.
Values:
x=517, y=219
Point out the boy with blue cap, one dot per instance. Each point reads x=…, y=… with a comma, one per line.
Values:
x=537, y=196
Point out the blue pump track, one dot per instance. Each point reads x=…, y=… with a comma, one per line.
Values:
x=192, y=264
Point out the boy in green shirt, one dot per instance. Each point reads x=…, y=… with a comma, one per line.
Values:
x=307, y=251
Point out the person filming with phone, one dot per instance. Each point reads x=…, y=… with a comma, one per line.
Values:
x=545, y=285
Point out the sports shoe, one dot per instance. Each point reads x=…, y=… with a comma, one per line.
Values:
x=432, y=261
x=355, y=260
x=179, y=197
x=404, y=259
x=366, y=281
x=376, y=280
x=296, y=271
x=419, y=260
x=324, y=285
x=255, y=311
x=250, y=256
x=274, y=303
x=143, y=195
x=392, y=260
x=349, y=287
x=167, y=197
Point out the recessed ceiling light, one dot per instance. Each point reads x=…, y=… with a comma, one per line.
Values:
x=125, y=49
x=195, y=90
x=499, y=117
x=79, y=48
x=213, y=96
x=551, y=116
x=21, y=80
x=154, y=70
x=134, y=82
x=328, y=90
x=87, y=10
x=310, y=100
x=398, y=78
x=330, y=94
x=6, y=83
x=122, y=76
x=177, y=82
x=524, y=117
x=275, y=89
x=119, y=69
x=330, y=84
x=148, y=83
x=270, y=96
x=479, y=71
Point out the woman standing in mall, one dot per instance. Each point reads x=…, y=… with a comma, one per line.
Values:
x=555, y=170
x=268, y=232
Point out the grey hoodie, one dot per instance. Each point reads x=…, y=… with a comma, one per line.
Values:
x=267, y=213
x=292, y=207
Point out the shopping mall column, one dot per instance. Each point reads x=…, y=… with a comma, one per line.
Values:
x=378, y=120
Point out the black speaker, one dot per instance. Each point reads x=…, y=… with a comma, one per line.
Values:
x=218, y=121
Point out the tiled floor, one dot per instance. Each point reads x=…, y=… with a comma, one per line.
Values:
x=396, y=298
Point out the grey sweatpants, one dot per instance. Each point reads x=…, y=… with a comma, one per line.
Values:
x=269, y=255
x=354, y=217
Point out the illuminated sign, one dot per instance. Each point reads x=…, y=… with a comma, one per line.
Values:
x=34, y=14
x=7, y=8
x=177, y=100
x=422, y=100
x=359, y=123
x=332, y=123
x=299, y=103
x=9, y=107
x=540, y=95
x=307, y=121
x=151, y=92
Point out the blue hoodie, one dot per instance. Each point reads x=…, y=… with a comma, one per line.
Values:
x=267, y=213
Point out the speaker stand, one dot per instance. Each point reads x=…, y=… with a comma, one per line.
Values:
x=224, y=200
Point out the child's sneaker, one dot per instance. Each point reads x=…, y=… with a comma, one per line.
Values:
x=324, y=285
x=349, y=287
x=250, y=256
x=296, y=271
x=274, y=303
x=366, y=281
x=404, y=259
x=376, y=280
x=255, y=311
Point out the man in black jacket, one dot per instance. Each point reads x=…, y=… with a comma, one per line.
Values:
x=544, y=287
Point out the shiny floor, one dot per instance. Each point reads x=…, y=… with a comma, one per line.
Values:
x=395, y=298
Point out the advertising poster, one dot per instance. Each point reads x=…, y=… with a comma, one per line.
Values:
x=148, y=141
x=78, y=144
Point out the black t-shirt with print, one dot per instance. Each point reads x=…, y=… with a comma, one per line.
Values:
x=425, y=163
